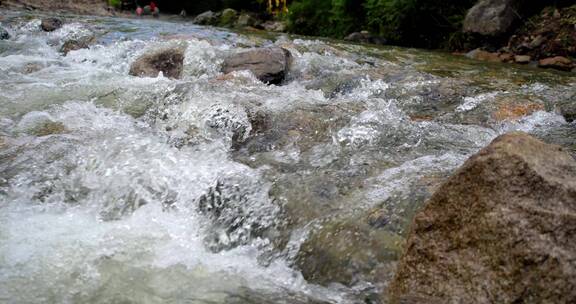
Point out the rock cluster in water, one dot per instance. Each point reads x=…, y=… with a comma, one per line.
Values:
x=231, y=18
x=547, y=41
x=500, y=230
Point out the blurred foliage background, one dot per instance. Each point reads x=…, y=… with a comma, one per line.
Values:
x=413, y=23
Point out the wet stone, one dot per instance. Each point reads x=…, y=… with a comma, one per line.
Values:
x=40, y=124
x=486, y=226
x=347, y=252
x=77, y=44
x=51, y=24
x=270, y=65
x=169, y=61
x=4, y=35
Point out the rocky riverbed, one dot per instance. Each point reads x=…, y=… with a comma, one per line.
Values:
x=157, y=161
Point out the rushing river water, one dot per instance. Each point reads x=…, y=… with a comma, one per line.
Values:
x=220, y=189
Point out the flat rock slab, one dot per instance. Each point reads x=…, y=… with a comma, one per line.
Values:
x=270, y=65
x=502, y=229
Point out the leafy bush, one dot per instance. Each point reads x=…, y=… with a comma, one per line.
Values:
x=420, y=23
x=115, y=3
x=334, y=18
x=310, y=17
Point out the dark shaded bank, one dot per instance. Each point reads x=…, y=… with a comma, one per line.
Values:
x=510, y=31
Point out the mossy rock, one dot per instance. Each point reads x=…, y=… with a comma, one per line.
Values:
x=228, y=17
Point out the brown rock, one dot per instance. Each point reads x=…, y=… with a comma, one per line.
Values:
x=169, y=61
x=522, y=59
x=500, y=230
x=51, y=24
x=515, y=111
x=506, y=57
x=270, y=65
x=558, y=62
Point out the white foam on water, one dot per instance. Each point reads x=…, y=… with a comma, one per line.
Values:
x=136, y=196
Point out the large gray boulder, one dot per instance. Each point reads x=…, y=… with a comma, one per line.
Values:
x=270, y=65
x=500, y=230
x=491, y=17
x=168, y=61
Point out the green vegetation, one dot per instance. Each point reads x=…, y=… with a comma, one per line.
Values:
x=412, y=23
x=419, y=23
x=115, y=3
x=334, y=18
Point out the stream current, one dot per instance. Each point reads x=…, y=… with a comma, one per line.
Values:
x=221, y=189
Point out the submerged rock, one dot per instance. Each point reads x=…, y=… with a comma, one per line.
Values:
x=274, y=26
x=207, y=18
x=500, y=230
x=491, y=17
x=4, y=35
x=239, y=210
x=39, y=124
x=365, y=37
x=228, y=120
x=347, y=252
x=51, y=24
x=270, y=65
x=479, y=54
x=32, y=67
x=168, y=61
x=77, y=44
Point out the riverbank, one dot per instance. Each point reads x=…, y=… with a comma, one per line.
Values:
x=536, y=35
x=546, y=40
